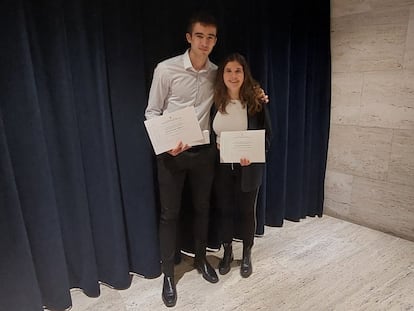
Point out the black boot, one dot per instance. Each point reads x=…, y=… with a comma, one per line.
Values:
x=177, y=257
x=224, y=265
x=169, y=292
x=204, y=267
x=246, y=268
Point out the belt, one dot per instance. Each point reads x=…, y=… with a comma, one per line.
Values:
x=199, y=147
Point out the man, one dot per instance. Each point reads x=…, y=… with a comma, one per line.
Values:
x=179, y=82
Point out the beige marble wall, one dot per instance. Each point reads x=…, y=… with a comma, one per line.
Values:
x=370, y=171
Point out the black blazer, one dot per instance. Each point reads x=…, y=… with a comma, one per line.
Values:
x=252, y=175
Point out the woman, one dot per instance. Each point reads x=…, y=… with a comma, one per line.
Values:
x=237, y=108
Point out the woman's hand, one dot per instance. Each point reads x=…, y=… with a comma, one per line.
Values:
x=244, y=162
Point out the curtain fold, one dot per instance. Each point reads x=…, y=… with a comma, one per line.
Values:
x=25, y=135
x=298, y=79
x=78, y=194
x=124, y=49
x=88, y=213
x=16, y=257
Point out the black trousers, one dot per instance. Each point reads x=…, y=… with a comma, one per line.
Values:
x=231, y=200
x=196, y=165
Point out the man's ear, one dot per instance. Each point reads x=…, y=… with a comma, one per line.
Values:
x=188, y=37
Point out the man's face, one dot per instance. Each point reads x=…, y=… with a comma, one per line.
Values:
x=202, y=39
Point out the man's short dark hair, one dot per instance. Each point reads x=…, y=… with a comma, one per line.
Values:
x=202, y=17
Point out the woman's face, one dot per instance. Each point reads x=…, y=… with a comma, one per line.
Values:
x=233, y=76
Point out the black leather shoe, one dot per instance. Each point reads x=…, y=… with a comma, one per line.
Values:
x=246, y=268
x=224, y=265
x=208, y=272
x=169, y=292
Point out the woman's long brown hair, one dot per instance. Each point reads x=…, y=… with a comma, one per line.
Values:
x=248, y=90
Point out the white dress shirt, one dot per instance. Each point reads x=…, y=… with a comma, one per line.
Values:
x=176, y=85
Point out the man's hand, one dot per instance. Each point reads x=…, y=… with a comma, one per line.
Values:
x=261, y=95
x=178, y=149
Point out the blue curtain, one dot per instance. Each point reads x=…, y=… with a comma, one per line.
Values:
x=78, y=195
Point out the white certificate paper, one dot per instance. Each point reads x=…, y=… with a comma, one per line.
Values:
x=167, y=130
x=248, y=144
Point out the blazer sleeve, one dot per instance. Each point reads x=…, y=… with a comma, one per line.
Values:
x=213, y=135
x=252, y=175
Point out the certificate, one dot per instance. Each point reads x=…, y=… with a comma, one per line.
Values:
x=248, y=144
x=168, y=129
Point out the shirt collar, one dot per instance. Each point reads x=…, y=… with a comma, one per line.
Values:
x=188, y=65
